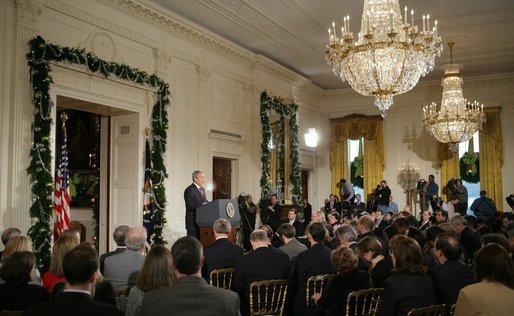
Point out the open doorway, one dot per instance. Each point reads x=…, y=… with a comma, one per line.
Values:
x=222, y=178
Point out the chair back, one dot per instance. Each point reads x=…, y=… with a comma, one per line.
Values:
x=268, y=297
x=221, y=278
x=433, y=310
x=452, y=310
x=363, y=302
x=121, y=295
x=316, y=284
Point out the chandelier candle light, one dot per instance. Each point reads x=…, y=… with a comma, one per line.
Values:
x=457, y=119
x=390, y=54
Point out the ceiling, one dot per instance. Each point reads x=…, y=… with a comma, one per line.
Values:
x=294, y=32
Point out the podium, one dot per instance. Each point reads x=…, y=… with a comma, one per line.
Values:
x=208, y=213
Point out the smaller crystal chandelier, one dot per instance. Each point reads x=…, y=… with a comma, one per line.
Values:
x=457, y=119
x=390, y=54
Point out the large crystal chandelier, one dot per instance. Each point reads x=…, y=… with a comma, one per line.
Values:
x=390, y=55
x=457, y=119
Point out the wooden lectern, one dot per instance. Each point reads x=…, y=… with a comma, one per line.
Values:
x=208, y=213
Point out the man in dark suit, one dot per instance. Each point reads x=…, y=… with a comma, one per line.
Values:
x=451, y=275
x=275, y=212
x=194, y=196
x=467, y=237
x=261, y=264
x=313, y=261
x=119, y=235
x=298, y=226
x=222, y=253
x=80, y=267
x=365, y=227
x=332, y=205
x=189, y=295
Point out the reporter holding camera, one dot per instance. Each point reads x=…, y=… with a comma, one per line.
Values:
x=460, y=197
x=383, y=193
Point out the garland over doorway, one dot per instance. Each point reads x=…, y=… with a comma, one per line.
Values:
x=40, y=57
x=268, y=103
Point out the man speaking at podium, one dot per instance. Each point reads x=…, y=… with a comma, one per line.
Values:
x=194, y=196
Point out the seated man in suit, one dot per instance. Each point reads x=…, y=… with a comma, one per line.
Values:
x=314, y=261
x=292, y=247
x=222, y=253
x=451, y=275
x=119, y=235
x=332, y=205
x=122, y=269
x=189, y=295
x=298, y=226
x=261, y=264
x=80, y=267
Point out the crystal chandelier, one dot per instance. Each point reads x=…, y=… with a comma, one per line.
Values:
x=457, y=119
x=390, y=54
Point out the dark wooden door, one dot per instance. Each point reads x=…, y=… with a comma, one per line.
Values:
x=222, y=178
x=305, y=183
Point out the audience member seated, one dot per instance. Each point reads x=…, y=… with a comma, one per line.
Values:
x=418, y=236
x=494, y=293
x=332, y=205
x=292, y=247
x=358, y=205
x=71, y=232
x=409, y=287
x=222, y=253
x=119, y=235
x=318, y=216
x=155, y=274
x=122, y=269
x=451, y=274
x=441, y=216
x=497, y=238
x=402, y=225
x=80, y=266
x=348, y=279
x=365, y=228
x=7, y=234
x=292, y=219
x=380, y=222
x=274, y=240
x=424, y=223
x=330, y=241
x=313, y=261
x=369, y=252
x=189, y=295
x=333, y=218
x=468, y=239
x=16, y=292
x=20, y=243
x=55, y=274
x=261, y=264
x=347, y=236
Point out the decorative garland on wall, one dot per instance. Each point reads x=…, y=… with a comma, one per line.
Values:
x=40, y=56
x=291, y=110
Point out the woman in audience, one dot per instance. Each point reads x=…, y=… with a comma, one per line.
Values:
x=334, y=219
x=16, y=293
x=55, y=273
x=494, y=293
x=155, y=274
x=318, y=216
x=348, y=279
x=410, y=287
x=16, y=244
x=369, y=251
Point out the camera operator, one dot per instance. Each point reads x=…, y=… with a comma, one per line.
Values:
x=437, y=203
x=383, y=193
x=432, y=189
x=459, y=197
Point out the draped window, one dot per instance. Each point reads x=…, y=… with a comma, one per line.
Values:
x=491, y=156
x=449, y=165
x=354, y=127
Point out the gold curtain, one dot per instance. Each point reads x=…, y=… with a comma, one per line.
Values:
x=354, y=127
x=491, y=156
x=449, y=165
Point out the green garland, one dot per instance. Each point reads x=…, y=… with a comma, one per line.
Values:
x=291, y=110
x=39, y=58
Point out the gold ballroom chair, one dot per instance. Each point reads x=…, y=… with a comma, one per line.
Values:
x=316, y=284
x=363, y=302
x=268, y=297
x=221, y=278
x=433, y=310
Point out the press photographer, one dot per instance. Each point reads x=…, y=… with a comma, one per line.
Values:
x=459, y=196
x=383, y=193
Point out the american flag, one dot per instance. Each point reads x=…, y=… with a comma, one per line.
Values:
x=62, y=189
x=148, y=198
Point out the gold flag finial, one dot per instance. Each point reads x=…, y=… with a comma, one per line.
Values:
x=148, y=131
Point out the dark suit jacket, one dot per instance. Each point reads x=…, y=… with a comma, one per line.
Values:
x=337, y=207
x=19, y=297
x=333, y=300
x=313, y=261
x=108, y=254
x=220, y=254
x=190, y=296
x=72, y=303
x=261, y=264
x=449, y=279
x=298, y=226
x=470, y=242
x=193, y=199
x=404, y=292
